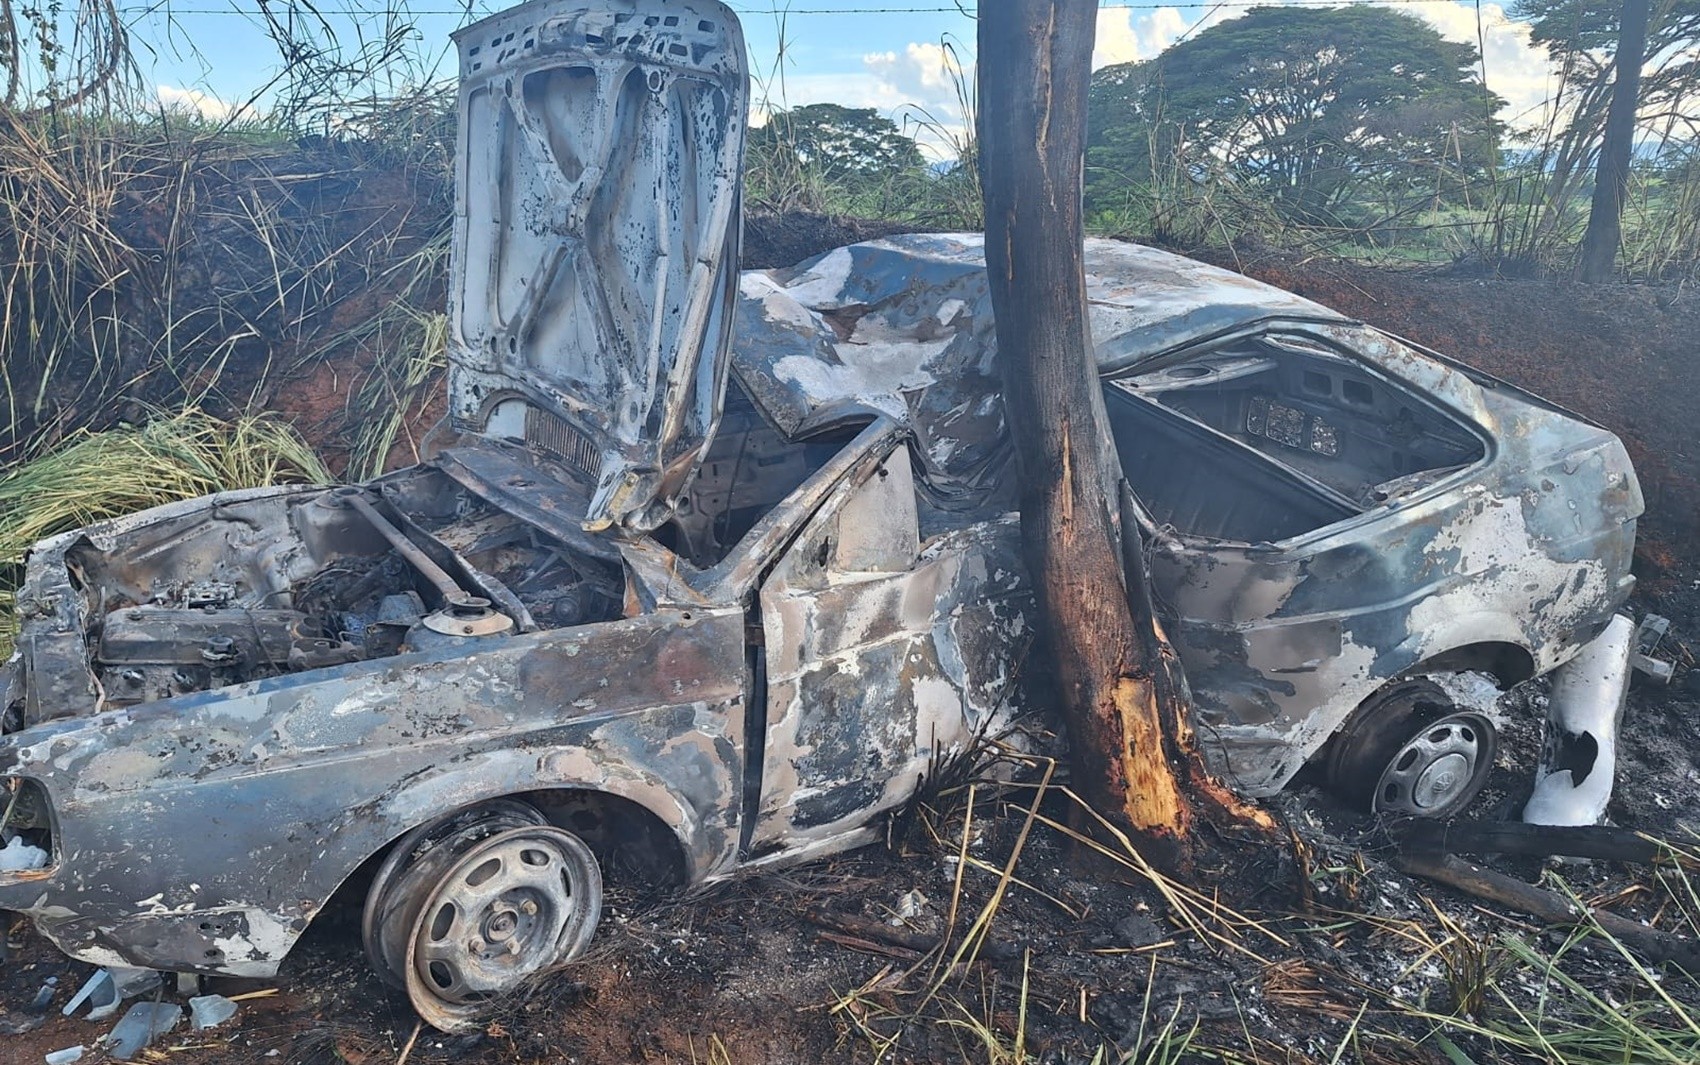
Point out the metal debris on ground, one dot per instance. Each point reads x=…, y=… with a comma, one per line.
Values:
x=98, y=991
x=145, y=1022
x=66, y=1056
x=210, y=1011
x=44, y=996
x=1648, y=635
x=912, y=904
x=108, y=987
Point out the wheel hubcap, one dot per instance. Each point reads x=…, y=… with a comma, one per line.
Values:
x=1436, y=768
x=511, y=906
x=412, y=866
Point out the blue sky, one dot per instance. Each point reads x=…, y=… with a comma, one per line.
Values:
x=220, y=47
x=898, y=56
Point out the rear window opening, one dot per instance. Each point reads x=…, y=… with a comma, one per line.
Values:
x=1267, y=440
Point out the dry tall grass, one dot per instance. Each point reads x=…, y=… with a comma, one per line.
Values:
x=92, y=476
x=167, y=262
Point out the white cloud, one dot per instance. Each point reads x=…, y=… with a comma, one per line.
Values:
x=927, y=75
x=1124, y=37
x=194, y=101
x=1517, y=69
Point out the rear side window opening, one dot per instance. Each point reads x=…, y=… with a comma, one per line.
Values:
x=1266, y=439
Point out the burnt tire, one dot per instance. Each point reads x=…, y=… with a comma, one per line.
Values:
x=1410, y=750
x=390, y=912
x=493, y=915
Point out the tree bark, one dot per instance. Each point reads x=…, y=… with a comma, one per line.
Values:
x=1122, y=699
x=1611, y=182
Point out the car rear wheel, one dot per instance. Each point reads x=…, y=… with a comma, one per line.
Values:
x=1411, y=750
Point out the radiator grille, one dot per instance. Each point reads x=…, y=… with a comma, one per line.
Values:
x=554, y=435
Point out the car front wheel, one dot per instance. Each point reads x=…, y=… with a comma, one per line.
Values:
x=486, y=906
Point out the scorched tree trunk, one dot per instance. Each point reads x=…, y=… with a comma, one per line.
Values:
x=1121, y=693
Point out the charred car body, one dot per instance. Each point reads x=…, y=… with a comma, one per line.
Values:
x=716, y=597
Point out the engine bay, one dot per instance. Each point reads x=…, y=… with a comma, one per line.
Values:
x=482, y=542
x=257, y=588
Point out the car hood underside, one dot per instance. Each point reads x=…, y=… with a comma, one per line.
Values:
x=595, y=241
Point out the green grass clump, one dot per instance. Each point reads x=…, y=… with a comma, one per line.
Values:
x=95, y=476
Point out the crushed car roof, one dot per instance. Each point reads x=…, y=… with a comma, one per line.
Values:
x=902, y=327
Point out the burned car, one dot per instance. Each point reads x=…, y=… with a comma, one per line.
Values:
x=1354, y=542
x=719, y=568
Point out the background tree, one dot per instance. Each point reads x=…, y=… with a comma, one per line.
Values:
x=1583, y=37
x=1121, y=120
x=844, y=144
x=834, y=159
x=1304, y=104
x=1617, y=144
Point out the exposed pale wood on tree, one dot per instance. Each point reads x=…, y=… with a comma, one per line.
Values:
x=1228, y=813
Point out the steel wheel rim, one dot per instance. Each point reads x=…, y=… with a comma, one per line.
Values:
x=1438, y=768
x=514, y=905
x=411, y=865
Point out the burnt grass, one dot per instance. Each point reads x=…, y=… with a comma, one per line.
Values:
x=1346, y=959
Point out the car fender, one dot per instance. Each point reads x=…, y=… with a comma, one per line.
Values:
x=1461, y=632
x=504, y=773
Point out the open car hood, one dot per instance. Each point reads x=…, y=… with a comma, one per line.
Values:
x=595, y=239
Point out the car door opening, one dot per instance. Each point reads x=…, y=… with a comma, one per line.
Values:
x=750, y=468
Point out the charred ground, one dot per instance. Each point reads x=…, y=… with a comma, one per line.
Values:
x=831, y=962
